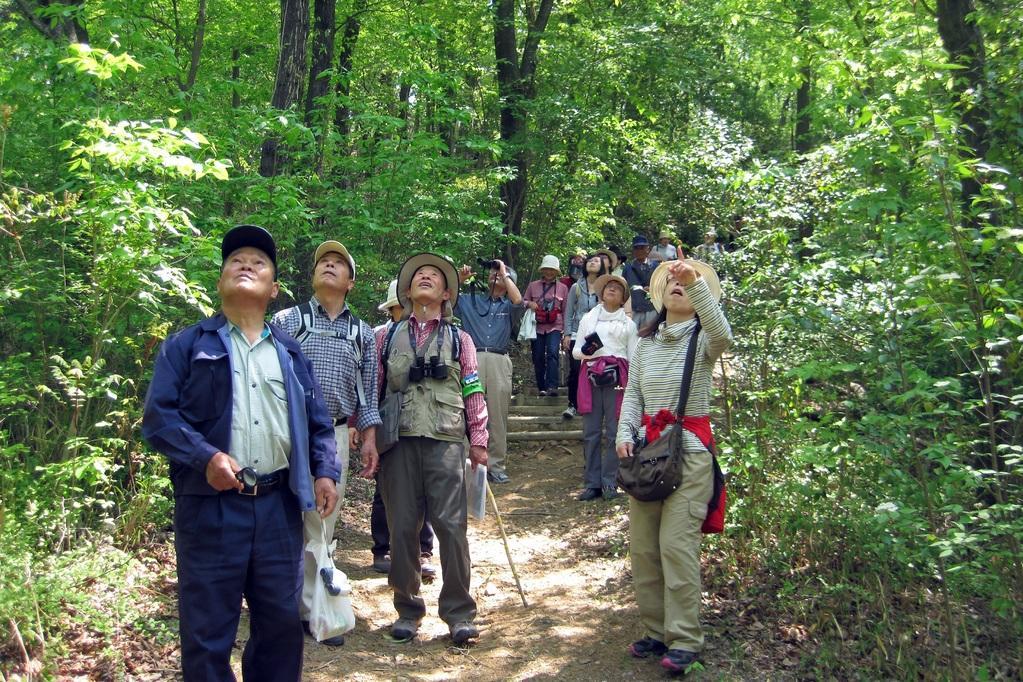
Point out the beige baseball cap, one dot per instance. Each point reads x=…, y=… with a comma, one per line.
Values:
x=331, y=246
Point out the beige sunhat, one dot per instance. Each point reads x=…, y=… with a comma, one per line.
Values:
x=612, y=257
x=659, y=280
x=551, y=262
x=604, y=280
x=409, y=268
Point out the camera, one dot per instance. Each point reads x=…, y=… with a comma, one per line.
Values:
x=487, y=264
x=436, y=369
x=592, y=345
x=547, y=311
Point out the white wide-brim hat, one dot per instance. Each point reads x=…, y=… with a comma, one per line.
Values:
x=409, y=268
x=551, y=262
x=392, y=297
x=659, y=280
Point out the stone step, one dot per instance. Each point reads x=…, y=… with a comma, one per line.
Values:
x=544, y=435
x=537, y=410
x=554, y=422
x=523, y=399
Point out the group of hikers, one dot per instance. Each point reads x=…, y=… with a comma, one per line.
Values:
x=261, y=420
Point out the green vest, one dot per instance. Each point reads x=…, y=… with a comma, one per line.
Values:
x=431, y=408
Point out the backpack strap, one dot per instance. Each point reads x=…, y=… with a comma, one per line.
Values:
x=356, y=339
x=305, y=322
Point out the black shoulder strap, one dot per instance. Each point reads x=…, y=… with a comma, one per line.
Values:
x=687, y=371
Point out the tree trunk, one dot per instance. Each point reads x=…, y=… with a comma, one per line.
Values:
x=323, y=57
x=316, y=115
x=516, y=86
x=965, y=46
x=802, y=139
x=291, y=70
x=69, y=28
x=343, y=113
x=196, y=52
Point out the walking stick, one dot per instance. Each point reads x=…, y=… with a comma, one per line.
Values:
x=507, y=550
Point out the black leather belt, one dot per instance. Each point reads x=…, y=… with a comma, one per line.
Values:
x=342, y=420
x=266, y=484
x=496, y=351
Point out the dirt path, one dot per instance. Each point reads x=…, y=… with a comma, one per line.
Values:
x=573, y=565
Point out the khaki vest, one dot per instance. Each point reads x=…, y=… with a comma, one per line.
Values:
x=431, y=408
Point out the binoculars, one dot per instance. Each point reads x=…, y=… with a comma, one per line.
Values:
x=487, y=264
x=420, y=370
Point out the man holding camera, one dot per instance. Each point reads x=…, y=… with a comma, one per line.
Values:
x=234, y=406
x=343, y=352
x=546, y=297
x=431, y=365
x=487, y=317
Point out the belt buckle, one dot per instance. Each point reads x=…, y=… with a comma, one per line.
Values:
x=254, y=491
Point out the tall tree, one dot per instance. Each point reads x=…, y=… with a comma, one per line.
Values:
x=319, y=73
x=291, y=70
x=964, y=44
x=343, y=88
x=516, y=87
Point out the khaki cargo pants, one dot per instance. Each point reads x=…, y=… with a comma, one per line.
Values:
x=664, y=539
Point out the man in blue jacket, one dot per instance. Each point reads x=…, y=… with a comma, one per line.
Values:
x=235, y=408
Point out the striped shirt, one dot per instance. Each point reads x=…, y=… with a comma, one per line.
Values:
x=334, y=363
x=655, y=371
x=475, y=404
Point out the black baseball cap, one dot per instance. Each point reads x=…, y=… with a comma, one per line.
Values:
x=248, y=235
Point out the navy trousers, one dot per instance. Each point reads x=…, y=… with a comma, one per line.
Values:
x=230, y=546
x=546, y=356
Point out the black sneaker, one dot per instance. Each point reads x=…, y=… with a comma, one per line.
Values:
x=382, y=564
x=610, y=492
x=678, y=660
x=588, y=494
x=646, y=647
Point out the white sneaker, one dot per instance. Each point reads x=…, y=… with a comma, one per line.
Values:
x=569, y=412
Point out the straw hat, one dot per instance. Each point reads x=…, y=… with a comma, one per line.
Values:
x=604, y=280
x=659, y=280
x=409, y=268
x=392, y=297
x=331, y=246
x=551, y=262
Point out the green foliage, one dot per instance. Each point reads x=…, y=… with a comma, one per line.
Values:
x=871, y=416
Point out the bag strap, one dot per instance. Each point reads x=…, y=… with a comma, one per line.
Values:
x=305, y=321
x=687, y=371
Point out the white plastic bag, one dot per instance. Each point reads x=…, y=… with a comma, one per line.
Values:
x=330, y=613
x=476, y=490
x=527, y=330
